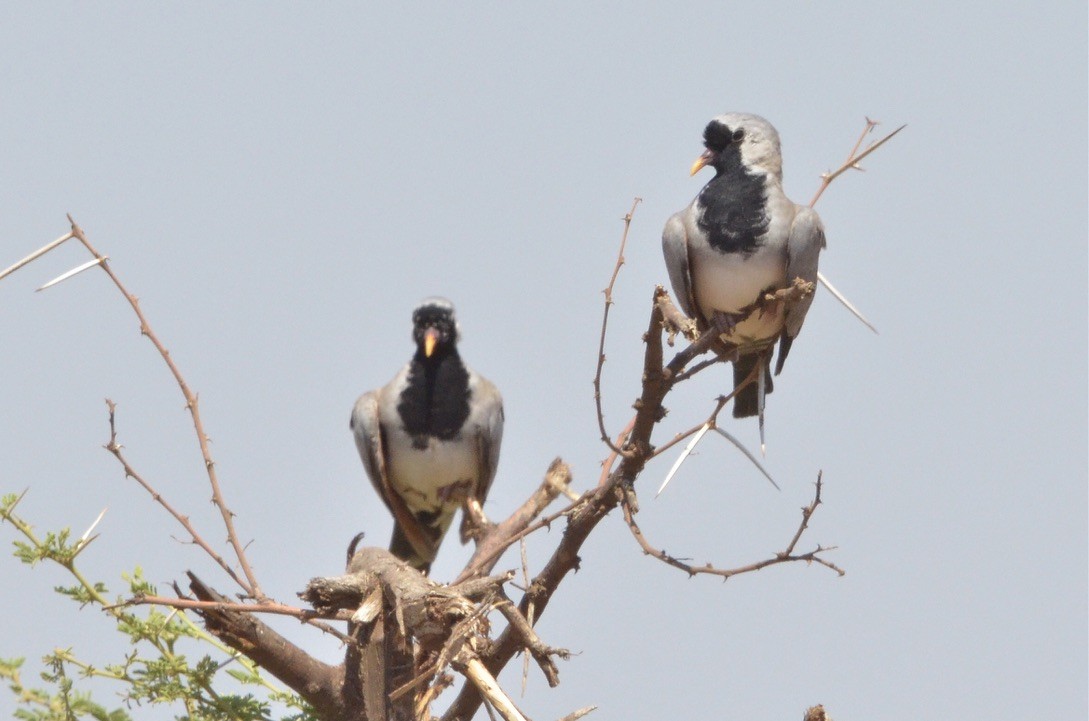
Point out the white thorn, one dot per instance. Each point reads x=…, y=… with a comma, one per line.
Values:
x=90, y=530
x=749, y=455
x=74, y=271
x=840, y=297
x=36, y=254
x=684, y=455
x=761, y=390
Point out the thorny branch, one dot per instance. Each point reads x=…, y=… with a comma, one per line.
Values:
x=192, y=405
x=327, y=687
x=852, y=163
x=608, y=292
x=116, y=449
x=854, y=157
x=630, y=508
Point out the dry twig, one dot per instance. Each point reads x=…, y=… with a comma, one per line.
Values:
x=604, y=327
x=629, y=506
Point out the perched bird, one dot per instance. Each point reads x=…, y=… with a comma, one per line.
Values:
x=430, y=438
x=739, y=238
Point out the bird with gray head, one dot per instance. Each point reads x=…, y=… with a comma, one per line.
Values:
x=430, y=438
x=738, y=239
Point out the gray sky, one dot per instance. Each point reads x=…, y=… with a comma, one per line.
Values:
x=281, y=184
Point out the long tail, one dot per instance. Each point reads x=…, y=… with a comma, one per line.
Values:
x=399, y=546
x=747, y=402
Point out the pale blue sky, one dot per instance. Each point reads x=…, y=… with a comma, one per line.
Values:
x=281, y=183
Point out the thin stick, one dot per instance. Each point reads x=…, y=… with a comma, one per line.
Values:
x=191, y=403
x=475, y=671
x=786, y=556
x=853, y=159
x=115, y=448
x=604, y=326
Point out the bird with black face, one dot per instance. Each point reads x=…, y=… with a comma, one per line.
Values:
x=430, y=438
x=740, y=238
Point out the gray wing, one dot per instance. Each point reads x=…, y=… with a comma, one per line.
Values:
x=486, y=424
x=368, y=439
x=804, y=245
x=487, y=419
x=675, y=249
x=367, y=428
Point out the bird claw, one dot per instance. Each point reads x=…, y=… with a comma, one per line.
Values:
x=725, y=323
x=457, y=491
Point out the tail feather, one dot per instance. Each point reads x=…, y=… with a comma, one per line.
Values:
x=400, y=547
x=747, y=401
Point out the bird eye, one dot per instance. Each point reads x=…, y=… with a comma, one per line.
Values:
x=738, y=135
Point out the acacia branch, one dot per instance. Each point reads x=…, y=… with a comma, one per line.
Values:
x=853, y=158
x=584, y=517
x=250, y=584
x=499, y=537
x=115, y=448
x=320, y=684
x=604, y=327
x=630, y=508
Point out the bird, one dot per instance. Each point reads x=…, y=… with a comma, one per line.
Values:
x=430, y=438
x=738, y=239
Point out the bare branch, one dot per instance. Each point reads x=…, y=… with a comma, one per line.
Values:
x=250, y=584
x=320, y=684
x=629, y=506
x=604, y=327
x=116, y=449
x=852, y=162
x=854, y=158
x=498, y=538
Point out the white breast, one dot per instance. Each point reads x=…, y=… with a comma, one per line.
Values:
x=421, y=473
x=730, y=282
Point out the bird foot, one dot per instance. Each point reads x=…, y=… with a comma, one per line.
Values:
x=725, y=323
x=456, y=491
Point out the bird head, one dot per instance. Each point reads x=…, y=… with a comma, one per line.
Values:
x=740, y=139
x=434, y=327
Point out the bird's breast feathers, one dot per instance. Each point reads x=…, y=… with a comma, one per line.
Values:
x=729, y=281
x=427, y=471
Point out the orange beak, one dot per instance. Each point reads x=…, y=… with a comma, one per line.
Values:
x=431, y=339
x=701, y=161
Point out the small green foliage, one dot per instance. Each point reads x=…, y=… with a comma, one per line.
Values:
x=154, y=671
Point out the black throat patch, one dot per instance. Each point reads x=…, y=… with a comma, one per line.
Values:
x=435, y=402
x=734, y=206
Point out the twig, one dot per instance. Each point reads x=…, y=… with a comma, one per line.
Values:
x=499, y=537
x=541, y=653
x=269, y=607
x=605, y=325
x=787, y=556
x=852, y=162
x=250, y=584
x=116, y=449
x=854, y=158
x=576, y=715
x=476, y=672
